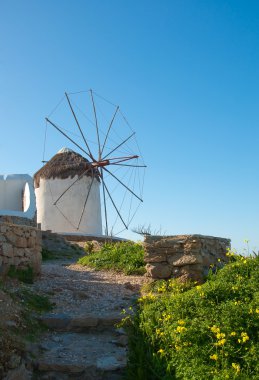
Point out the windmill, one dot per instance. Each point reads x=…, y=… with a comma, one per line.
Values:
x=98, y=129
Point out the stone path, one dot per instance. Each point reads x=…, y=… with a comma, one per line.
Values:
x=82, y=341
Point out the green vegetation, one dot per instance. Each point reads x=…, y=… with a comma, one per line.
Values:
x=23, y=275
x=19, y=322
x=35, y=302
x=65, y=254
x=126, y=257
x=191, y=331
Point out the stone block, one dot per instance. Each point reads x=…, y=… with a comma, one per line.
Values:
x=11, y=237
x=18, y=252
x=3, y=228
x=33, y=233
x=35, y=263
x=182, y=260
x=153, y=258
x=7, y=250
x=158, y=270
x=19, y=232
x=16, y=261
x=21, y=242
x=31, y=241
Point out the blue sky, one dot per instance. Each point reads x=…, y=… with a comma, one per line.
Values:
x=186, y=74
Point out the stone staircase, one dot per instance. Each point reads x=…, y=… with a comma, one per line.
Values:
x=85, y=347
x=82, y=340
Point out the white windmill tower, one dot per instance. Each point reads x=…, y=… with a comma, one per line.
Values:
x=68, y=195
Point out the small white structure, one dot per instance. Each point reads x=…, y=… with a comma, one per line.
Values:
x=68, y=195
x=17, y=196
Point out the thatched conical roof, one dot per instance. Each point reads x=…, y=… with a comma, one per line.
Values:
x=66, y=163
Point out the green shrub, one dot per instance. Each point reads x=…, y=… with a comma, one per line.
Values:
x=23, y=275
x=199, y=331
x=126, y=257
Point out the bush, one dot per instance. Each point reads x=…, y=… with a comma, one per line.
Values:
x=126, y=257
x=199, y=331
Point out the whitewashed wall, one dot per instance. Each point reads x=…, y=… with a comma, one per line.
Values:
x=64, y=218
x=17, y=196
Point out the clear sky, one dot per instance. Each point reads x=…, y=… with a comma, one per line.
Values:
x=185, y=72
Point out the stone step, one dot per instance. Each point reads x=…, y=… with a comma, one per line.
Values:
x=84, y=356
x=80, y=323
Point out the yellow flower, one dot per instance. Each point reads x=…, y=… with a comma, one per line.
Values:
x=181, y=322
x=220, y=342
x=215, y=329
x=219, y=260
x=161, y=351
x=181, y=329
x=220, y=335
x=236, y=367
x=158, y=331
x=214, y=357
x=233, y=333
x=198, y=287
x=257, y=311
x=245, y=337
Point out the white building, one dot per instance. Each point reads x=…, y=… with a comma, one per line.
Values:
x=68, y=195
x=17, y=197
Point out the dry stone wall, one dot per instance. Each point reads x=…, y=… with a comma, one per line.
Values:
x=20, y=246
x=13, y=219
x=184, y=256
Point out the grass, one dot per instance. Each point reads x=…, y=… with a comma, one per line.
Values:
x=56, y=255
x=21, y=307
x=126, y=257
x=23, y=275
x=35, y=302
x=199, y=332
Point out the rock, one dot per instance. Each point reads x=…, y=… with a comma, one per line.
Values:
x=84, y=321
x=185, y=260
x=56, y=321
x=21, y=242
x=121, y=331
x=20, y=373
x=122, y=341
x=80, y=295
x=130, y=286
x=14, y=361
x=110, y=320
x=10, y=324
x=60, y=367
x=110, y=363
x=154, y=258
x=159, y=270
x=7, y=249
